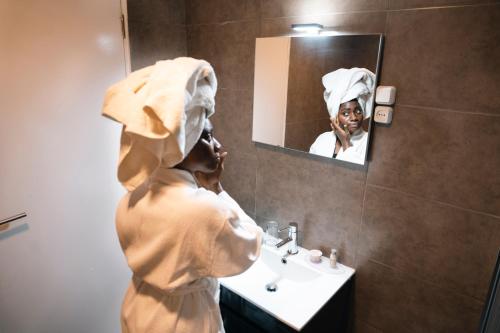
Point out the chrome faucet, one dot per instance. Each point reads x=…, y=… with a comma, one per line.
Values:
x=291, y=240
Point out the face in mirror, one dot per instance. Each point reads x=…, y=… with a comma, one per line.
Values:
x=350, y=117
x=315, y=94
x=348, y=95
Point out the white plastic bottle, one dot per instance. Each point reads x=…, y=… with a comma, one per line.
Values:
x=333, y=258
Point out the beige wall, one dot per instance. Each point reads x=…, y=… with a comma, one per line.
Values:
x=422, y=223
x=61, y=267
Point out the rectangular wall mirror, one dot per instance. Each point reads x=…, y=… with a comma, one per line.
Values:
x=316, y=93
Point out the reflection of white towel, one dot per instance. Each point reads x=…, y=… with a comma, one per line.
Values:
x=344, y=85
x=324, y=145
x=163, y=110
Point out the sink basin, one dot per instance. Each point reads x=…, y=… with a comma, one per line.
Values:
x=292, y=270
x=301, y=287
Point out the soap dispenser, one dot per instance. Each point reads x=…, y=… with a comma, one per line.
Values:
x=333, y=258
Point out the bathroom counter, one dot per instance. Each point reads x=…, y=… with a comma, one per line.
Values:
x=303, y=287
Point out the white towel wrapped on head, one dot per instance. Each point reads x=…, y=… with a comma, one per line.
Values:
x=344, y=85
x=163, y=110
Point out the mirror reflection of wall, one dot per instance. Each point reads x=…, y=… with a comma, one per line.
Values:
x=292, y=90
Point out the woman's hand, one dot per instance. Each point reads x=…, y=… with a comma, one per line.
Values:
x=211, y=181
x=341, y=133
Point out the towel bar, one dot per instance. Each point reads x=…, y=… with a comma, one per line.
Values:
x=13, y=218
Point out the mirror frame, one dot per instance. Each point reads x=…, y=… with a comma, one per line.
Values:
x=257, y=106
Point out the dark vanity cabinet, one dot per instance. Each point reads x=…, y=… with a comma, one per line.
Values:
x=241, y=316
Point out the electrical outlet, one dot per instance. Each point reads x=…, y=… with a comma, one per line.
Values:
x=385, y=95
x=383, y=114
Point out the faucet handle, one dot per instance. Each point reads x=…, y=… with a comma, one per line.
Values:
x=292, y=227
x=284, y=228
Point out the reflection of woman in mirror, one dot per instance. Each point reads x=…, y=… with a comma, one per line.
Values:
x=349, y=97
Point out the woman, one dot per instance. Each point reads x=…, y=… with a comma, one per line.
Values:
x=349, y=97
x=177, y=226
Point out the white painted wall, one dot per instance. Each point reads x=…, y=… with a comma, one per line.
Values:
x=272, y=58
x=61, y=268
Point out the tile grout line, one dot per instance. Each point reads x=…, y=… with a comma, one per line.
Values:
x=360, y=224
x=409, y=106
x=434, y=284
x=497, y=217
x=259, y=18
x=368, y=11
x=365, y=187
x=222, y=23
x=446, y=110
x=385, y=34
x=406, y=105
x=444, y=7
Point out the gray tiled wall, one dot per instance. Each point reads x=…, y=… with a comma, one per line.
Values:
x=157, y=30
x=422, y=223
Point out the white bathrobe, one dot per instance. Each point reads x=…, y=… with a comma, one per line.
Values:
x=178, y=239
x=324, y=145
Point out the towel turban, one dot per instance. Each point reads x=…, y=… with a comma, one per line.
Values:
x=344, y=85
x=163, y=109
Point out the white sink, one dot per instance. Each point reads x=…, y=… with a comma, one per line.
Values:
x=302, y=287
x=292, y=270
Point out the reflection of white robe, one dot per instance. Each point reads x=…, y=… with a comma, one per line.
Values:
x=324, y=145
x=177, y=239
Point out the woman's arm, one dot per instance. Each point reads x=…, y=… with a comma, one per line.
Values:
x=237, y=243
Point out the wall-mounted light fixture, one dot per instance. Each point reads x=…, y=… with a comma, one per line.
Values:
x=307, y=27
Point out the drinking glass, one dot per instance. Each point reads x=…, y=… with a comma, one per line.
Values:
x=272, y=233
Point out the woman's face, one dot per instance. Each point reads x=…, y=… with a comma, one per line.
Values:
x=350, y=116
x=205, y=155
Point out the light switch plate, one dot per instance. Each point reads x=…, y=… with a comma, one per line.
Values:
x=383, y=114
x=385, y=95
